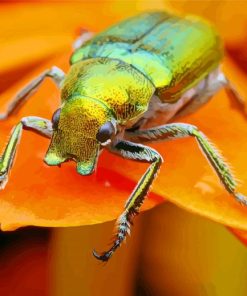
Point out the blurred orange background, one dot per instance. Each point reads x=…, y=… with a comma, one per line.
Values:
x=171, y=251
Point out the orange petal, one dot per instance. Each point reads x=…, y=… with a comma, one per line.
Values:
x=191, y=251
x=240, y=234
x=230, y=17
x=39, y=195
x=186, y=178
x=49, y=196
x=21, y=253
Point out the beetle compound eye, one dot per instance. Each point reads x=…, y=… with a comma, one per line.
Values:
x=55, y=118
x=105, y=132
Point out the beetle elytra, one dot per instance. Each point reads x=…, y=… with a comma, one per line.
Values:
x=118, y=80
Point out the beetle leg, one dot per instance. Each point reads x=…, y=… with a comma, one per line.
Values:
x=39, y=125
x=55, y=73
x=182, y=130
x=206, y=89
x=233, y=93
x=141, y=153
x=83, y=38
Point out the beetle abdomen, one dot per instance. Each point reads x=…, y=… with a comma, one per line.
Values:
x=174, y=52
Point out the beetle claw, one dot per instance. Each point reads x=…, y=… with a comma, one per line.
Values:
x=104, y=256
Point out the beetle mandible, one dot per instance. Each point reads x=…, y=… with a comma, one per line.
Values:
x=118, y=80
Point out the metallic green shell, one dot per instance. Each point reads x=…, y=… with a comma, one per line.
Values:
x=174, y=52
x=121, y=88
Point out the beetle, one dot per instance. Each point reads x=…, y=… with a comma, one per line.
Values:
x=155, y=62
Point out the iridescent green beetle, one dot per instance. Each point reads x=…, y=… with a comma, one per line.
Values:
x=118, y=81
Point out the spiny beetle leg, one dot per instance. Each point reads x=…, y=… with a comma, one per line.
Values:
x=205, y=91
x=140, y=153
x=55, y=73
x=39, y=125
x=235, y=96
x=182, y=130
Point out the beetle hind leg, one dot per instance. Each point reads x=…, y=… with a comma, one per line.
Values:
x=139, y=153
x=205, y=91
x=234, y=95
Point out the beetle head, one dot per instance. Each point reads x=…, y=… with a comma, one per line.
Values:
x=80, y=127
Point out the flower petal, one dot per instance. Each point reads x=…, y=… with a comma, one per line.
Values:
x=39, y=195
x=186, y=178
x=49, y=196
x=221, y=13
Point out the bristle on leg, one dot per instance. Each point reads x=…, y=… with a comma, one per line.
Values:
x=123, y=230
x=241, y=198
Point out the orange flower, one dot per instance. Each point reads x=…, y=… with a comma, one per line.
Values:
x=50, y=196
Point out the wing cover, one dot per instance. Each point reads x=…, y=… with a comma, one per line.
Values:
x=173, y=52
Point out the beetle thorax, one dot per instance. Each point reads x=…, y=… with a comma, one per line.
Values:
x=116, y=84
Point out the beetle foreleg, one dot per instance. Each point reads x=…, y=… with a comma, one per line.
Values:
x=39, y=125
x=55, y=73
x=181, y=130
x=139, y=153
